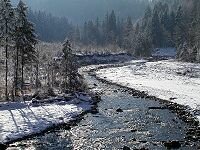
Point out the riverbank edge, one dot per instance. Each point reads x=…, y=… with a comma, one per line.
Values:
x=67, y=125
x=181, y=111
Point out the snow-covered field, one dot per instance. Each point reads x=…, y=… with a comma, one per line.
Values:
x=23, y=119
x=169, y=80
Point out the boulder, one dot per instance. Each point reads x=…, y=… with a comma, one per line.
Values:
x=172, y=144
x=126, y=148
x=3, y=146
x=119, y=110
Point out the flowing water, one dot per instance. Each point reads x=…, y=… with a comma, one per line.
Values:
x=136, y=126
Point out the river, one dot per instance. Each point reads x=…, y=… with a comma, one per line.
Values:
x=122, y=121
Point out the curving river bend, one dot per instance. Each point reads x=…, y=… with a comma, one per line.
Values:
x=134, y=125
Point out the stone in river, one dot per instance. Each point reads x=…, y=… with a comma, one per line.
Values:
x=119, y=110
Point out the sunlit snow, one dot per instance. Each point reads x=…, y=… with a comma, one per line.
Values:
x=169, y=80
x=22, y=119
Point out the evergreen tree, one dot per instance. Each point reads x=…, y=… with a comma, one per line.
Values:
x=183, y=53
x=97, y=32
x=194, y=54
x=143, y=45
x=137, y=28
x=85, y=34
x=171, y=27
x=77, y=36
x=70, y=68
x=147, y=18
x=25, y=41
x=156, y=30
x=165, y=19
x=6, y=26
x=127, y=33
x=91, y=32
x=180, y=33
x=120, y=26
x=112, y=27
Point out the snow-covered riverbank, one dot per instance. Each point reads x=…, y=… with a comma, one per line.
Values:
x=169, y=80
x=23, y=119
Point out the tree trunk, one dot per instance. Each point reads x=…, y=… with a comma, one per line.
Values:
x=37, y=76
x=22, y=74
x=52, y=77
x=31, y=78
x=66, y=73
x=70, y=77
x=6, y=48
x=16, y=72
x=37, y=71
x=48, y=75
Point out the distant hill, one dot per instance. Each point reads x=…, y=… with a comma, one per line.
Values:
x=79, y=11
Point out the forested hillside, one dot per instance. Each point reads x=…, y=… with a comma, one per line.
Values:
x=165, y=23
x=169, y=23
x=50, y=28
x=53, y=20
x=172, y=24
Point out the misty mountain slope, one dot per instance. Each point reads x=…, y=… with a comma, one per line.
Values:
x=79, y=11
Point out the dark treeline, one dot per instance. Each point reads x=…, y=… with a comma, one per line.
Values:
x=94, y=32
x=107, y=31
x=53, y=28
x=50, y=28
x=166, y=23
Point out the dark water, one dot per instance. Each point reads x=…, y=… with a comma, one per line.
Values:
x=136, y=127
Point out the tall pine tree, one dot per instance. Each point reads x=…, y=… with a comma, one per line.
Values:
x=25, y=41
x=156, y=30
x=6, y=27
x=70, y=68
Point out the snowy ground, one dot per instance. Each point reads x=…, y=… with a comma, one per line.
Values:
x=174, y=81
x=22, y=119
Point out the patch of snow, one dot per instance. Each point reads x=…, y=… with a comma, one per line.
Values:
x=169, y=80
x=23, y=119
x=91, y=67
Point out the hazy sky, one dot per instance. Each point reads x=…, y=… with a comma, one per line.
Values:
x=81, y=10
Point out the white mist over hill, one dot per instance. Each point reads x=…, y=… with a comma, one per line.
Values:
x=79, y=11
